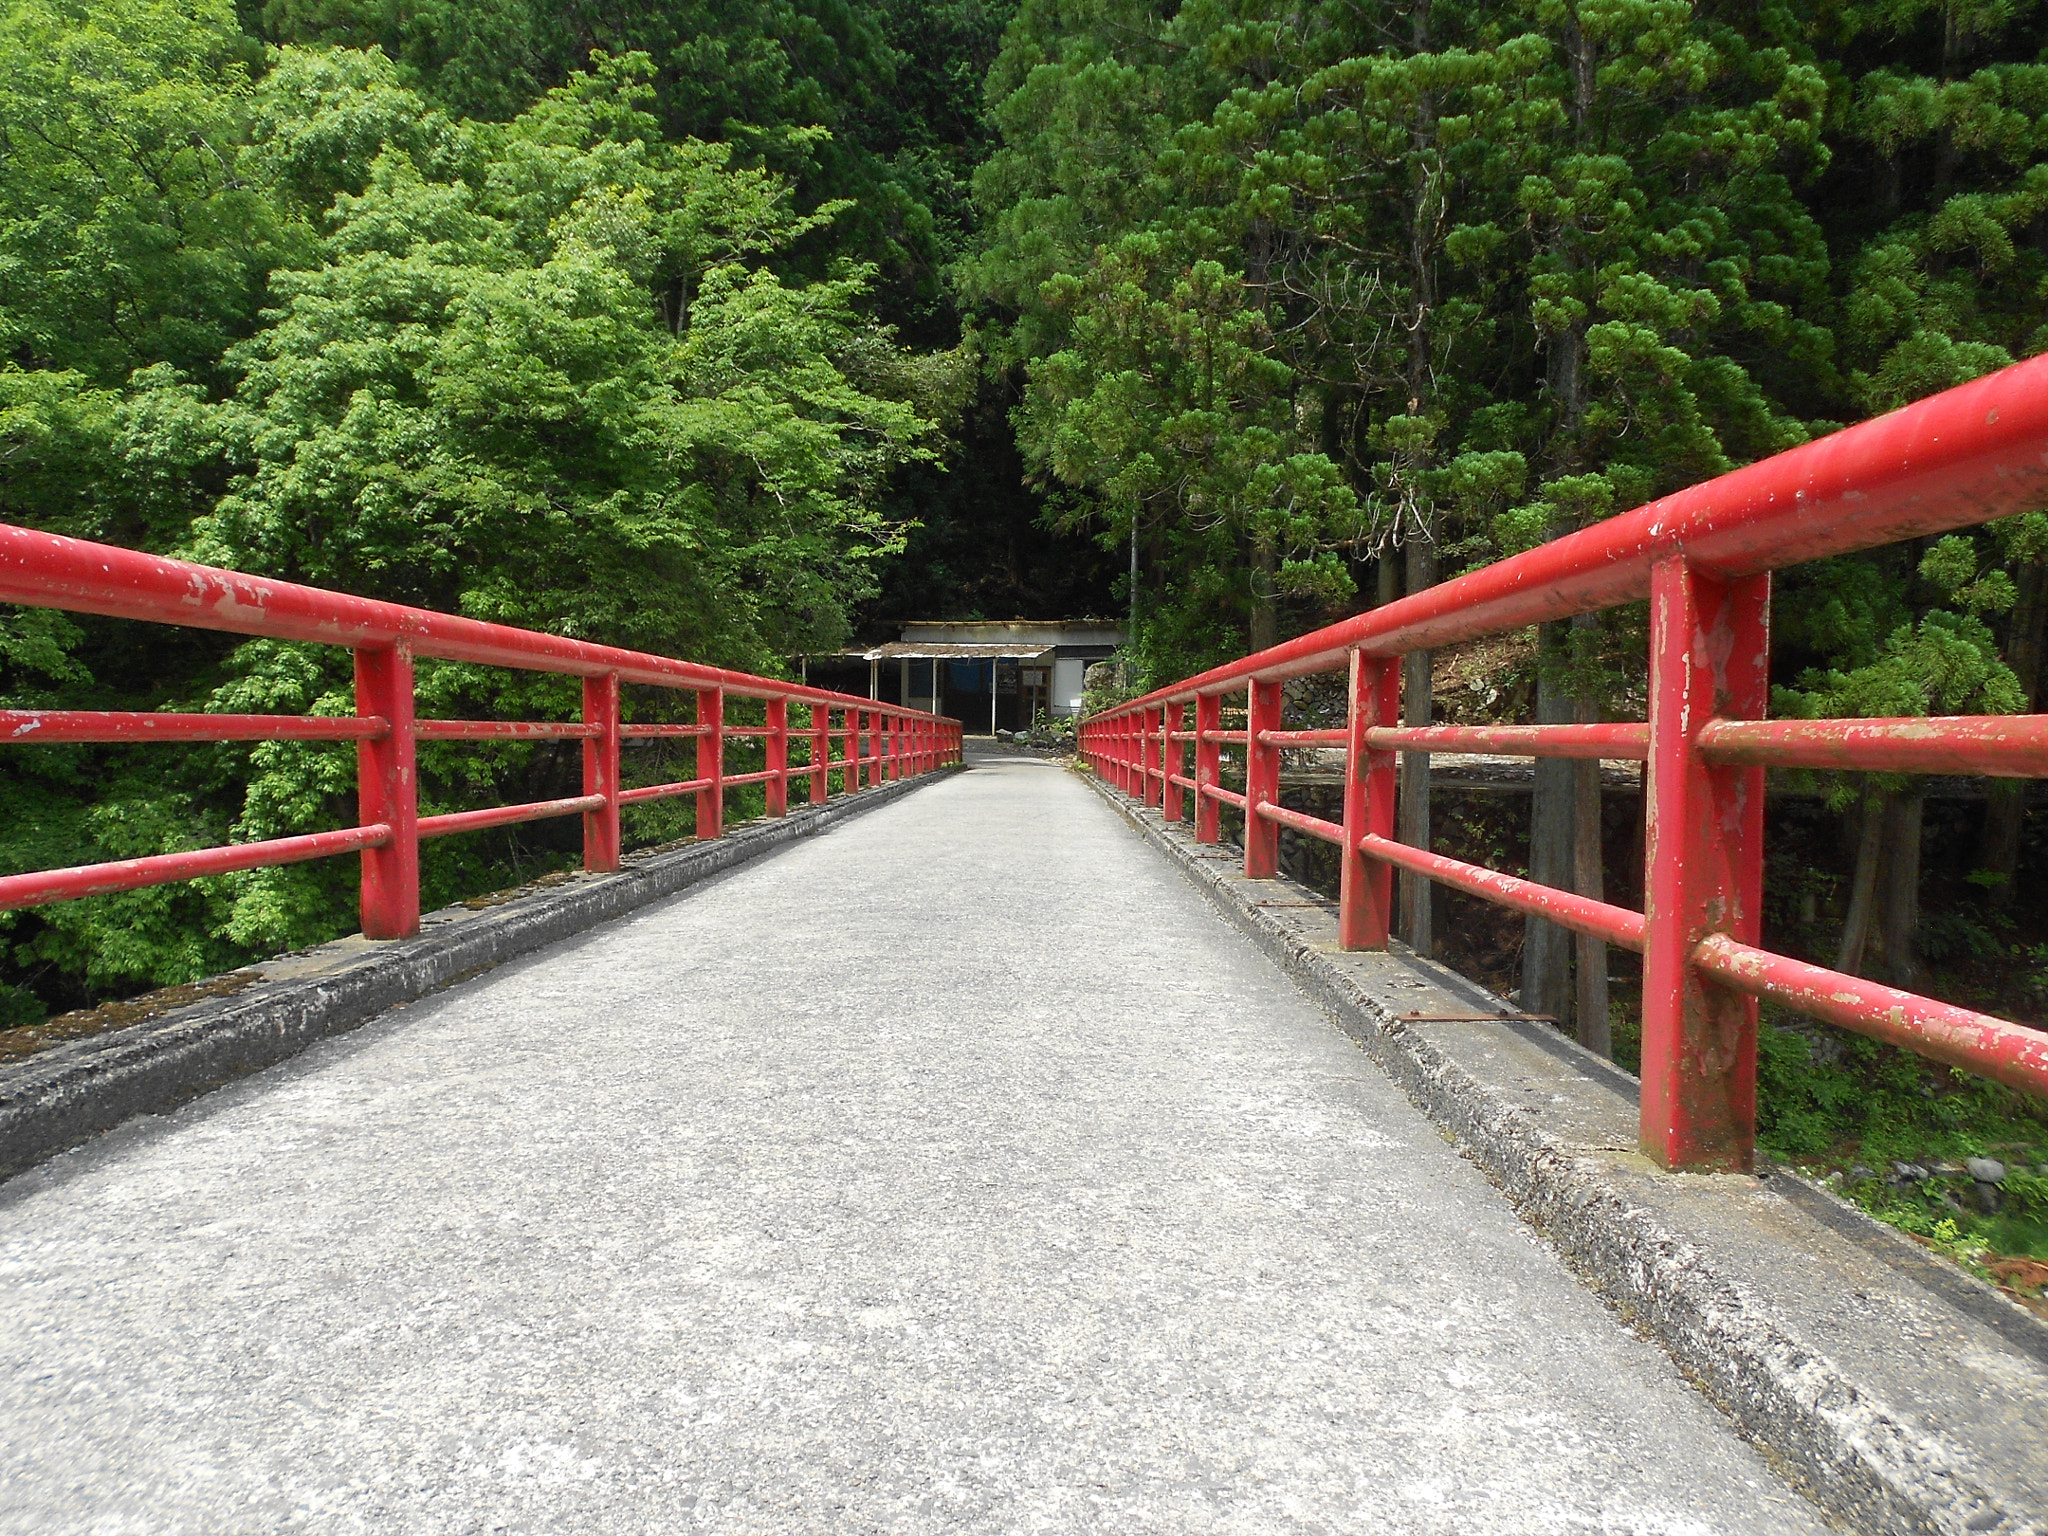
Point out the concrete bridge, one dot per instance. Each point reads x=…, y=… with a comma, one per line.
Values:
x=1000, y=1150
x=966, y=1167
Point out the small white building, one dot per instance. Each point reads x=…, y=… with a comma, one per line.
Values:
x=987, y=674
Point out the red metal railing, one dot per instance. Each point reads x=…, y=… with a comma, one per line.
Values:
x=1703, y=559
x=877, y=741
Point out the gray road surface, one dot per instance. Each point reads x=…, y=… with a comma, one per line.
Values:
x=958, y=1170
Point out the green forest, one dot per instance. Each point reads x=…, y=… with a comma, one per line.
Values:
x=739, y=329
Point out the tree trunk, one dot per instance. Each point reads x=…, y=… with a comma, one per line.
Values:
x=1417, y=704
x=1133, y=642
x=1998, y=851
x=1265, y=626
x=1546, y=948
x=1862, y=886
x=1899, y=889
x=1635, y=891
x=1589, y=879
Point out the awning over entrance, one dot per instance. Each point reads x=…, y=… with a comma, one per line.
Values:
x=933, y=650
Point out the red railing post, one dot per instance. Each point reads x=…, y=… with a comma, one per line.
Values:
x=1365, y=891
x=711, y=763
x=1153, y=753
x=387, y=791
x=849, y=776
x=1261, y=781
x=1709, y=658
x=1170, y=792
x=1159, y=756
x=895, y=720
x=821, y=751
x=601, y=772
x=778, y=757
x=1208, y=766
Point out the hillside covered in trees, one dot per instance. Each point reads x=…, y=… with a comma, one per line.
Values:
x=736, y=329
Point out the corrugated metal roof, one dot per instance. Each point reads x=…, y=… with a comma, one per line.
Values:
x=932, y=650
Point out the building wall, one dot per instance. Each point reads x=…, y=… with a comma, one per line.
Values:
x=1067, y=675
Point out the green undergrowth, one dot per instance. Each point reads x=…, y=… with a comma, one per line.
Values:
x=1892, y=1133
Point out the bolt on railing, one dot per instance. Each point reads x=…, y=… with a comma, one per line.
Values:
x=1702, y=558
x=45, y=570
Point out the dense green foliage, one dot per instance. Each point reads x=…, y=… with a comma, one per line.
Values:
x=604, y=336
x=1296, y=287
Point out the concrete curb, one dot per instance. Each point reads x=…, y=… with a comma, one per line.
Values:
x=1604, y=1211
x=58, y=1098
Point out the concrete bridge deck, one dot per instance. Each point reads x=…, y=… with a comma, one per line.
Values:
x=961, y=1170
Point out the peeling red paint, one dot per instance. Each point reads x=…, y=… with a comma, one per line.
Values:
x=2014, y=1054
x=2000, y=746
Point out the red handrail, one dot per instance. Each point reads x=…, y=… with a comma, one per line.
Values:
x=45, y=570
x=1703, y=558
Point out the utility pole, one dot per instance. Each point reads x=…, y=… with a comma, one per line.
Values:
x=1132, y=639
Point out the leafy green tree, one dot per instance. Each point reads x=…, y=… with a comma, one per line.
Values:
x=893, y=86
x=1945, y=661
x=541, y=372
x=126, y=237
